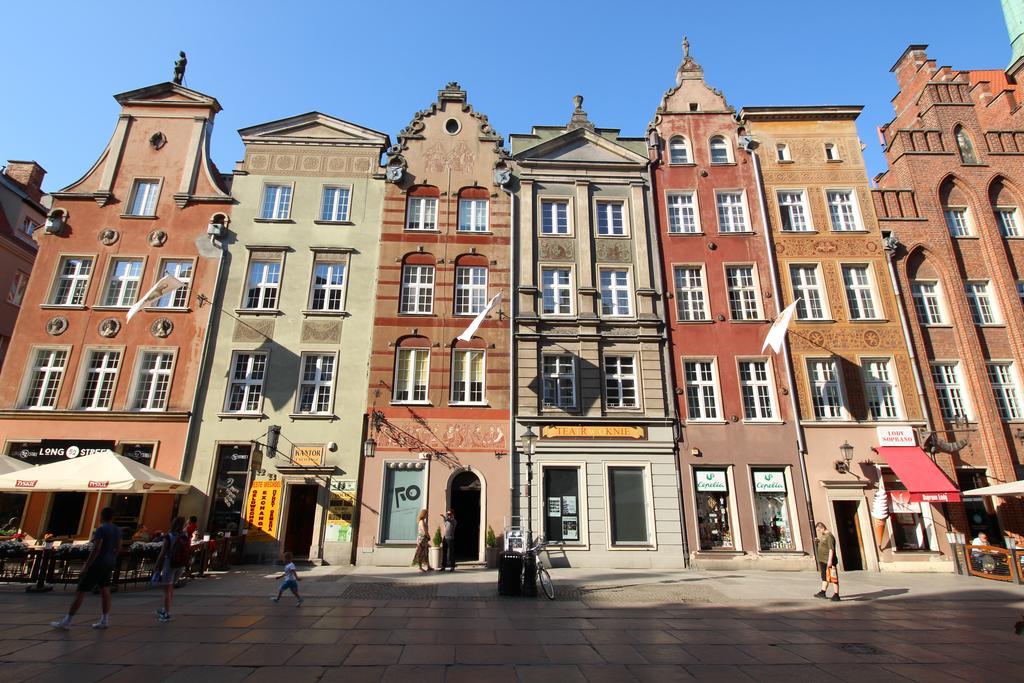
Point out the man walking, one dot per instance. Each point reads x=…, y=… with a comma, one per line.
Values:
x=106, y=543
x=826, y=556
x=448, y=542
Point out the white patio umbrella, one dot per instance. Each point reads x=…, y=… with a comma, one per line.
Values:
x=1009, y=489
x=101, y=472
x=9, y=464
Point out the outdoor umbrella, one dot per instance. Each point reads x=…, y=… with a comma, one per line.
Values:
x=9, y=464
x=1013, y=488
x=101, y=472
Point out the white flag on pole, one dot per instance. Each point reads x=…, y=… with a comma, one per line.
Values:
x=165, y=285
x=471, y=330
x=777, y=334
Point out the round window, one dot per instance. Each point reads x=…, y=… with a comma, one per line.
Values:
x=452, y=126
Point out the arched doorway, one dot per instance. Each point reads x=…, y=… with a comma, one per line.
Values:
x=465, y=503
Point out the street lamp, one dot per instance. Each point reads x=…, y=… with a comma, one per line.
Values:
x=369, y=447
x=846, y=450
x=529, y=443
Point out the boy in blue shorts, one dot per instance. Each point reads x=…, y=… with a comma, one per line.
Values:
x=291, y=580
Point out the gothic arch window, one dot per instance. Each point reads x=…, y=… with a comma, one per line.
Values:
x=964, y=146
x=721, y=152
x=956, y=209
x=1006, y=207
x=679, y=150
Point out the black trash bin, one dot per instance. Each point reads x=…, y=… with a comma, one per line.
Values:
x=529, y=576
x=510, y=569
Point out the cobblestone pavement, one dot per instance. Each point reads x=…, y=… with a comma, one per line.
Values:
x=396, y=626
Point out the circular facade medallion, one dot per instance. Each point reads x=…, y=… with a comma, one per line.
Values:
x=56, y=325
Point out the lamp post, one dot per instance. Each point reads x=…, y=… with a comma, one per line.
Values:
x=846, y=450
x=529, y=443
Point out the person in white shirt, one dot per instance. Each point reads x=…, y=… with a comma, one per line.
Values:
x=291, y=581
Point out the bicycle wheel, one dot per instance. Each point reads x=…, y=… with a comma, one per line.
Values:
x=545, y=582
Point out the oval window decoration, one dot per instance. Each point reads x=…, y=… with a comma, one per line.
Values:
x=452, y=126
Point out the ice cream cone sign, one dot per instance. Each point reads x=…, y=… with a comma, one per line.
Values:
x=880, y=513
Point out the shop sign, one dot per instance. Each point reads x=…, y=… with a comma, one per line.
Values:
x=307, y=456
x=711, y=480
x=343, y=485
x=340, y=512
x=896, y=436
x=139, y=452
x=595, y=432
x=55, y=450
x=262, y=510
x=769, y=482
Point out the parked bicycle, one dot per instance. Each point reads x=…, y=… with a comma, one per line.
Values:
x=543, y=578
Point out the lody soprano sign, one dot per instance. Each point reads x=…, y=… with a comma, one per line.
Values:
x=712, y=480
x=769, y=482
x=896, y=436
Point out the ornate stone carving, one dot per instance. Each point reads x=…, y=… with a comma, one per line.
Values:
x=179, y=68
x=321, y=331
x=856, y=246
x=157, y=140
x=439, y=157
x=556, y=249
x=845, y=338
x=56, y=326
x=418, y=435
x=161, y=328
x=253, y=330
x=259, y=162
x=108, y=236
x=109, y=327
x=157, y=238
x=616, y=251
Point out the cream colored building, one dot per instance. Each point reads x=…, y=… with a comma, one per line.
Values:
x=292, y=341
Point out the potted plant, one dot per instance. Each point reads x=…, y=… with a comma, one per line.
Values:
x=491, y=548
x=435, y=549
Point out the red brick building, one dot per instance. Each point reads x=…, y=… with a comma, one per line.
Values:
x=744, y=497
x=951, y=203
x=79, y=375
x=439, y=407
x=21, y=191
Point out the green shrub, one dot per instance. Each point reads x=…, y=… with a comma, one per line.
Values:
x=437, y=537
x=490, y=540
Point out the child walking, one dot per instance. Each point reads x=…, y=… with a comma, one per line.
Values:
x=291, y=581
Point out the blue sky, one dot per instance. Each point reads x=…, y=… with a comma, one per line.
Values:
x=375, y=63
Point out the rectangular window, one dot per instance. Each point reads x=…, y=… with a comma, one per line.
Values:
x=1009, y=222
x=473, y=215
x=691, y=299
x=950, y=392
x=245, y=389
x=277, y=202
x=554, y=216
x=263, y=284
x=682, y=213
x=609, y=219
x=756, y=390
x=880, y=389
x=1020, y=291
x=153, y=381
x=842, y=210
x=468, y=376
x=404, y=496
x=16, y=294
x=983, y=307
x=771, y=510
x=28, y=226
x=1004, y=387
x=794, y=212
x=744, y=303
x=100, y=378
x=72, y=281
x=732, y=214
x=807, y=287
x=316, y=385
x=826, y=391
x=615, y=294
x=470, y=289
x=620, y=385
x=562, y=505
x=927, y=302
x=957, y=221
x=123, y=282
x=714, y=513
x=782, y=152
x=47, y=372
x=831, y=153
x=412, y=374
x=328, y=287
x=182, y=270
x=143, y=198
x=859, y=292
x=910, y=526
x=701, y=390
x=559, y=381
x=627, y=498
x=334, y=204
x=417, y=289
x=556, y=290
x=422, y=213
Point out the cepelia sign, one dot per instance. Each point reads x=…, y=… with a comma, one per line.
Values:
x=769, y=482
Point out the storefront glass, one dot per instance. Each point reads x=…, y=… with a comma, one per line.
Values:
x=127, y=508
x=229, y=495
x=12, y=506
x=403, y=500
x=714, y=523
x=561, y=504
x=628, y=505
x=771, y=507
x=909, y=526
x=65, y=514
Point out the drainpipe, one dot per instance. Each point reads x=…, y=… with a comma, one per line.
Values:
x=512, y=295
x=801, y=443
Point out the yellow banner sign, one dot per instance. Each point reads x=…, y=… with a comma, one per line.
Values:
x=593, y=432
x=307, y=456
x=262, y=511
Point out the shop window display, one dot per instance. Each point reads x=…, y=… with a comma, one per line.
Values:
x=714, y=519
x=403, y=499
x=771, y=507
x=561, y=504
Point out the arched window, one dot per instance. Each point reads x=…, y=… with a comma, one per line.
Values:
x=965, y=146
x=417, y=295
x=470, y=284
x=412, y=370
x=422, y=208
x=679, y=150
x=1006, y=207
x=469, y=372
x=955, y=209
x=720, y=152
x=473, y=205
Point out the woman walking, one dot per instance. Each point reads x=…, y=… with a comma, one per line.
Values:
x=422, y=542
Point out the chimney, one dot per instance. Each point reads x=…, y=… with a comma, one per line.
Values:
x=29, y=175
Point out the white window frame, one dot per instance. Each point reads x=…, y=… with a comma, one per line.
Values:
x=125, y=289
x=547, y=205
x=752, y=292
x=702, y=291
x=679, y=143
x=683, y=212
x=413, y=383
x=838, y=384
x=944, y=391
x=840, y=220
x=1008, y=218
x=316, y=383
x=727, y=147
x=754, y=385
x=478, y=213
x=701, y=386
x=782, y=152
x=146, y=383
x=1005, y=383
x=874, y=387
x=734, y=524
x=652, y=533
x=339, y=208
x=743, y=220
x=149, y=198
x=983, y=305
x=604, y=218
x=557, y=378
x=616, y=292
x=280, y=205
x=52, y=377
x=958, y=221
x=794, y=209
x=415, y=286
x=329, y=287
x=105, y=374
x=27, y=227
x=268, y=282
x=470, y=296
x=462, y=378
x=582, y=507
x=832, y=152
x=249, y=384
x=860, y=296
x=182, y=294
x=803, y=308
x=19, y=284
x=421, y=214
x=620, y=377
x=929, y=306
x=79, y=282
x=568, y=288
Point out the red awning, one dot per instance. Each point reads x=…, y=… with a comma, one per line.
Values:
x=925, y=482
